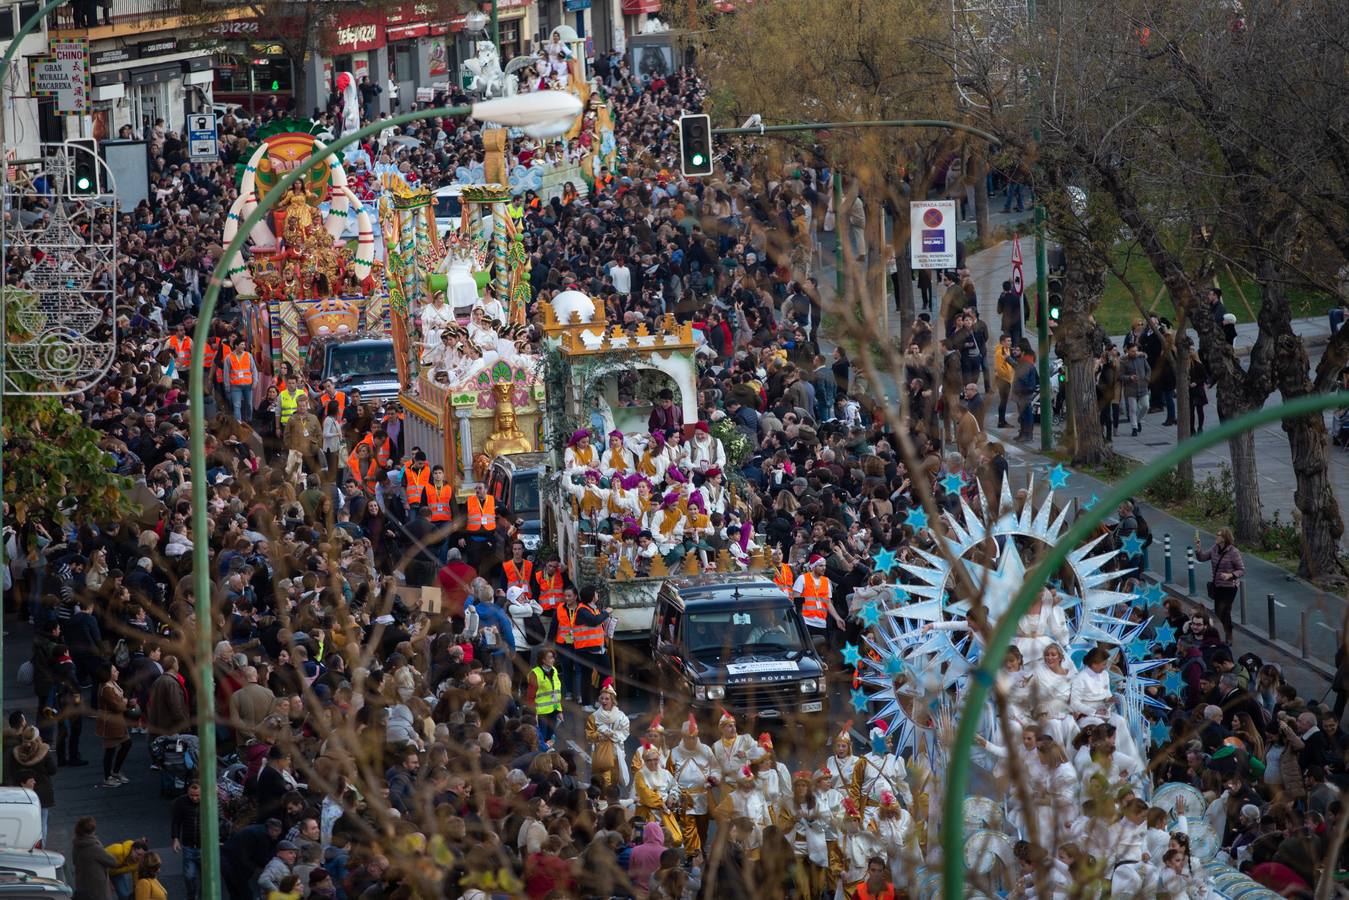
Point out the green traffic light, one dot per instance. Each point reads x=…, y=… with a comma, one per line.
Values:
x=83, y=183
x=697, y=159
x=276, y=85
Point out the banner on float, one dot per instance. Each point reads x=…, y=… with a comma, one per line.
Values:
x=932, y=234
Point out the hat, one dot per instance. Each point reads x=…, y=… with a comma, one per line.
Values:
x=675, y=474
x=514, y=591
x=802, y=776
x=815, y=559
x=713, y=472
x=592, y=473
x=656, y=726
x=649, y=749
x=888, y=800
x=577, y=436
x=701, y=426
x=757, y=753
x=144, y=563
x=286, y=845
x=690, y=725
x=608, y=688
x=669, y=499
x=725, y=718
x=31, y=749
x=845, y=733
x=615, y=434
x=823, y=774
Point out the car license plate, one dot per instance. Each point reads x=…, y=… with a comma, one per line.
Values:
x=815, y=706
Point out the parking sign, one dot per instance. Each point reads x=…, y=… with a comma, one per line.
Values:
x=932, y=236
x=202, y=145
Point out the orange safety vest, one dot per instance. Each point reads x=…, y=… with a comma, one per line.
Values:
x=415, y=485
x=815, y=600
x=380, y=453
x=518, y=576
x=371, y=476
x=326, y=398
x=224, y=350
x=241, y=368
x=565, y=627
x=550, y=590
x=482, y=516
x=182, y=349
x=864, y=894
x=208, y=355
x=785, y=580
x=440, y=499
x=585, y=637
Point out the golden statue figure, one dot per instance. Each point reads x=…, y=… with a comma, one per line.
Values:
x=506, y=436
x=299, y=215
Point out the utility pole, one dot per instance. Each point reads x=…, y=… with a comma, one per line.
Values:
x=1042, y=329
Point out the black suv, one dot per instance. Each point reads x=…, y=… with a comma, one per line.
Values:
x=738, y=642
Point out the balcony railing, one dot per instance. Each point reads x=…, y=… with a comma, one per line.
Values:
x=117, y=19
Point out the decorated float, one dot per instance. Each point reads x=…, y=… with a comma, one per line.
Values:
x=299, y=279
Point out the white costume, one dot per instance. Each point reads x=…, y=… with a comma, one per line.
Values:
x=1050, y=692
x=733, y=756
x=899, y=840
x=613, y=726
x=841, y=767
x=461, y=286
x=493, y=309
x=706, y=451
x=1038, y=630
x=577, y=459
x=815, y=827
x=617, y=460
x=1091, y=696
x=750, y=804
x=1054, y=794
x=692, y=769
x=884, y=773
x=715, y=497
x=435, y=319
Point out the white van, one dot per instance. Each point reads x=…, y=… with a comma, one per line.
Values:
x=450, y=211
x=20, y=832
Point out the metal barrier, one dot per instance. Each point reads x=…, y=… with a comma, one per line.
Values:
x=1269, y=605
x=1189, y=567
x=1241, y=595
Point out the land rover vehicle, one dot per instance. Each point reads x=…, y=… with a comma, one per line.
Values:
x=738, y=642
x=364, y=363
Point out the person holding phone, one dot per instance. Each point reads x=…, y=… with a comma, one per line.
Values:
x=1228, y=570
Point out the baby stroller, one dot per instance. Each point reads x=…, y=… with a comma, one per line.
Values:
x=176, y=756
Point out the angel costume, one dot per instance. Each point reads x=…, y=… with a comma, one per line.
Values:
x=1050, y=692
x=1054, y=795
x=694, y=769
x=842, y=768
x=607, y=731
x=658, y=796
x=1037, y=630
x=899, y=838
x=1091, y=696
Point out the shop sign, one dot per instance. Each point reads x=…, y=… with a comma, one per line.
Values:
x=354, y=33
x=63, y=74
x=158, y=48
x=235, y=29
x=118, y=55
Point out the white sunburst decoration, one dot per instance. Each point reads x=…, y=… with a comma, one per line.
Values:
x=907, y=675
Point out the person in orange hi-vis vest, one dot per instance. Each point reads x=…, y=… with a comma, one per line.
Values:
x=550, y=583
x=518, y=571
x=330, y=393
x=782, y=573
x=815, y=592
x=181, y=345
x=481, y=524
x=416, y=478
x=239, y=378
x=440, y=498
x=364, y=470
x=877, y=884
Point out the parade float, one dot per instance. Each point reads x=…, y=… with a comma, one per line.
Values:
x=300, y=279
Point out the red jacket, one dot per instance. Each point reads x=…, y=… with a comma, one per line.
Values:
x=454, y=579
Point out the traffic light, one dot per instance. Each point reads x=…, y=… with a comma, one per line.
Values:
x=695, y=145
x=84, y=178
x=1055, y=298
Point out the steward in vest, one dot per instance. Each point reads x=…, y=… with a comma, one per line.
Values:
x=440, y=497
x=181, y=345
x=380, y=446
x=364, y=470
x=877, y=885
x=588, y=634
x=544, y=691
x=288, y=399
x=329, y=395
x=551, y=582
x=416, y=478
x=782, y=573
x=480, y=524
x=816, y=595
x=239, y=369
x=518, y=571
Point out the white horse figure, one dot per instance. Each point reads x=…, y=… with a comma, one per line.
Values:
x=488, y=78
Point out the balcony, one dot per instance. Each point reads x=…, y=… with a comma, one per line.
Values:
x=128, y=18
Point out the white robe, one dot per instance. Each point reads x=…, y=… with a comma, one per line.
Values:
x=613, y=725
x=1036, y=631
x=731, y=759
x=706, y=451
x=1054, y=794
x=1050, y=693
x=1091, y=696
x=815, y=827
x=435, y=319
x=691, y=769
x=841, y=767
x=885, y=773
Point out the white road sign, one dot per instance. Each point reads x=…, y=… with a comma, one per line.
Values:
x=932, y=234
x=202, y=144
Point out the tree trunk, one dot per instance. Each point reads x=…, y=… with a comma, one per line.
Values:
x=1322, y=525
x=979, y=164
x=1089, y=447
x=876, y=258
x=1247, y=500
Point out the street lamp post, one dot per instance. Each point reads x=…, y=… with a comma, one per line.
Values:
x=538, y=109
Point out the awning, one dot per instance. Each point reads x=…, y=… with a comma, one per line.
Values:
x=638, y=7
x=407, y=32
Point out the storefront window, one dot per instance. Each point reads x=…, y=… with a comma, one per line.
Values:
x=510, y=41
x=403, y=60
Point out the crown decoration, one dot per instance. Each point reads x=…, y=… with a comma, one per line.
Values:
x=332, y=316
x=486, y=193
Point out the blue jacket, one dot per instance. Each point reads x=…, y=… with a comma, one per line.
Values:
x=489, y=614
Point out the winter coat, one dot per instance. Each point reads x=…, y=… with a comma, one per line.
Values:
x=1134, y=375
x=92, y=864
x=1225, y=559
x=168, y=713
x=111, y=722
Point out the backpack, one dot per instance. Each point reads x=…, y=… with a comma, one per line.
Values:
x=121, y=654
x=1143, y=530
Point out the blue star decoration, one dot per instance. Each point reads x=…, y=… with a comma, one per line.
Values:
x=894, y=665
x=859, y=700
x=1058, y=476
x=901, y=595
x=1160, y=733
x=1173, y=683
x=953, y=482
x=870, y=614
x=1165, y=634
x=885, y=560
x=1137, y=649
x=1088, y=504
x=1153, y=594
x=1132, y=546
x=916, y=519
x=851, y=654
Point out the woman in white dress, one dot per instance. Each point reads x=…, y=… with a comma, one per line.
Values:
x=480, y=330
x=1050, y=690
x=843, y=762
x=894, y=826
x=436, y=317
x=1014, y=683
x=493, y=308
x=1043, y=624
x=1091, y=696
x=1054, y=790
x=462, y=286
